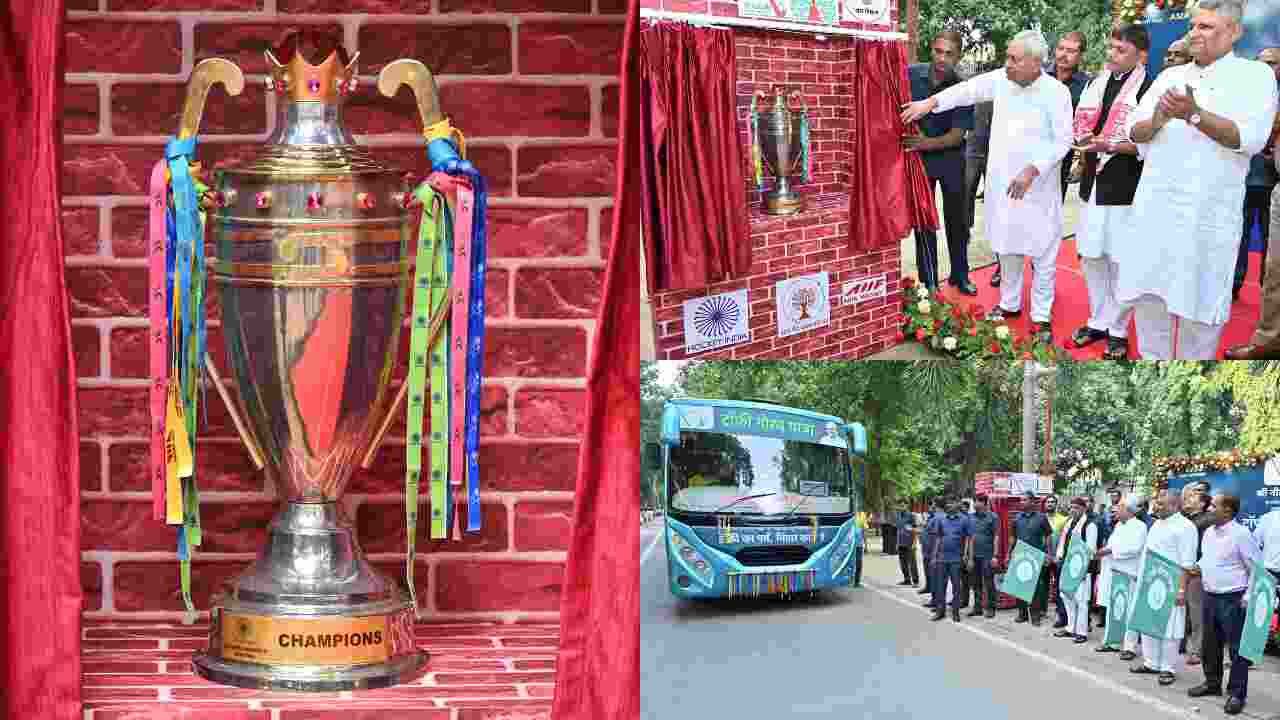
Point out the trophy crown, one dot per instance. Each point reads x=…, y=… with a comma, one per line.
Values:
x=293, y=73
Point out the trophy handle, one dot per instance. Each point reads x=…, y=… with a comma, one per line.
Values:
x=420, y=80
x=206, y=74
x=246, y=435
x=437, y=325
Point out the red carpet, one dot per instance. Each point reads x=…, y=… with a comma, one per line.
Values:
x=1071, y=305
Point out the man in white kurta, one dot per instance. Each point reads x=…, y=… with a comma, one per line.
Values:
x=1030, y=135
x=1176, y=538
x=1079, y=529
x=1201, y=122
x=1123, y=553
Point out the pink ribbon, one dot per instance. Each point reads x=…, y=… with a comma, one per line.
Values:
x=156, y=241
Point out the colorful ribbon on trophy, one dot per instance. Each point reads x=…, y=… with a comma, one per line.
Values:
x=430, y=296
x=176, y=270
x=757, y=165
x=469, y=337
x=724, y=524
x=806, y=153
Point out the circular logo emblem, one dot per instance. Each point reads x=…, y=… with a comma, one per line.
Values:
x=1261, y=613
x=1157, y=595
x=804, y=300
x=1025, y=571
x=717, y=316
x=1076, y=566
x=1119, y=602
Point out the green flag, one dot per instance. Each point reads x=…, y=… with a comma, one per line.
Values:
x=1257, y=617
x=1024, y=572
x=1156, y=592
x=1075, y=566
x=1118, y=609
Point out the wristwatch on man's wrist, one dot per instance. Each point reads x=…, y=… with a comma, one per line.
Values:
x=1194, y=119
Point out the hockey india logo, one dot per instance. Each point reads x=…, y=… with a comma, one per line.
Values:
x=717, y=316
x=1157, y=595
x=1025, y=571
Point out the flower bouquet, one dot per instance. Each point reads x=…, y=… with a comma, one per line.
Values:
x=963, y=333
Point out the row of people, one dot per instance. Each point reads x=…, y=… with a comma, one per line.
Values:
x=1157, y=243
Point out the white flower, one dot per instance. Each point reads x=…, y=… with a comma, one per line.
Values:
x=923, y=306
x=1002, y=332
x=949, y=343
x=922, y=292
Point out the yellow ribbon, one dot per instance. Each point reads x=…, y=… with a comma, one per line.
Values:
x=444, y=130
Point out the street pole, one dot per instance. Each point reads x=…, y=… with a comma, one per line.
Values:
x=1031, y=371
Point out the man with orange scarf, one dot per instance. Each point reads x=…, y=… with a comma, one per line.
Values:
x=1112, y=166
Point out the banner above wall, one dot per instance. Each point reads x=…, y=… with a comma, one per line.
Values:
x=820, y=12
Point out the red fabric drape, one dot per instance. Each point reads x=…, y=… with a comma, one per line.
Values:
x=40, y=597
x=598, y=672
x=890, y=193
x=695, y=193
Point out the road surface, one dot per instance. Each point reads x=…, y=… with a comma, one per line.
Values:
x=873, y=653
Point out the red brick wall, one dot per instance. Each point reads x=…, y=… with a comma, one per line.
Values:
x=534, y=88
x=817, y=239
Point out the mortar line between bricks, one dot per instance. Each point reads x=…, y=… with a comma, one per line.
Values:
x=600, y=202
x=226, y=498
x=381, y=140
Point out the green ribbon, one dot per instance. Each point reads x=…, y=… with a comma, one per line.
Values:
x=430, y=293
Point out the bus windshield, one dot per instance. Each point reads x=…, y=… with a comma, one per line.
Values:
x=750, y=474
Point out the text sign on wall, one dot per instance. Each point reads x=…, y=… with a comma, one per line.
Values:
x=820, y=12
x=864, y=288
x=804, y=303
x=866, y=11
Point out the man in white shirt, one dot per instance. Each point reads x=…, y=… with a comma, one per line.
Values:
x=1175, y=537
x=1123, y=554
x=1201, y=123
x=1030, y=135
x=1267, y=535
x=1229, y=554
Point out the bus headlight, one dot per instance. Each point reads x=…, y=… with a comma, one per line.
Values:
x=692, y=559
x=841, y=554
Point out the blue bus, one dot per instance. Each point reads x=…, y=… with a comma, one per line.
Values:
x=760, y=498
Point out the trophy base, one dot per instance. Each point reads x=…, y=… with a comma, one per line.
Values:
x=311, y=615
x=788, y=203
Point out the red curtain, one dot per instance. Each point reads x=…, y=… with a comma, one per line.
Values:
x=695, y=195
x=890, y=193
x=598, y=673
x=40, y=597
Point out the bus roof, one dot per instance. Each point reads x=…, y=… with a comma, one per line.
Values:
x=756, y=406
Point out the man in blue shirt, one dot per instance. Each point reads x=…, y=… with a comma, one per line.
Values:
x=952, y=533
x=982, y=549
x=942, y=148
x=906, y=541
x=926, y=552
x=1032, y=527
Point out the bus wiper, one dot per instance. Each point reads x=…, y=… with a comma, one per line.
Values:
x=746, y=497
x=804, y=499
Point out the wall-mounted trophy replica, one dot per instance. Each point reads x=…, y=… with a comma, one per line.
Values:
x=316, y=263
x=780, y=145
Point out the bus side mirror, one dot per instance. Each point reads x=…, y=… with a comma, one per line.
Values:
x=652, y=455
x=858, y=438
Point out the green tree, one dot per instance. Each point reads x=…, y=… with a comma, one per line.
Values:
x=1255, y=393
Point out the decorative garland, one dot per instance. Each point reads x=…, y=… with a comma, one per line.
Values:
x=1214, y=462
x=961, y=333
x=1137, y=11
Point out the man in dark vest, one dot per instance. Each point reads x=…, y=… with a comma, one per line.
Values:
x=1032, y=527
x=941, y=148
x=1108, y=183
x=981, y=550
x=926, y=551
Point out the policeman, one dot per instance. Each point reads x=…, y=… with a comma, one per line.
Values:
x=981, y=550
x=1032, y=527
x=953, y=532
x=926, y=552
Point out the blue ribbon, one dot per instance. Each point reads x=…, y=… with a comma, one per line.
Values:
x=444, y=158
x=187, y=222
